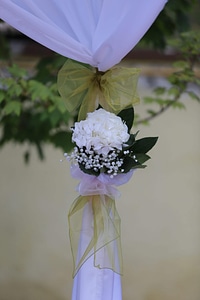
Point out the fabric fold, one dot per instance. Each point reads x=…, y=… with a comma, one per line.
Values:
x=99, y=33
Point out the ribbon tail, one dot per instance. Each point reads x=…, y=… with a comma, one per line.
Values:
x=94, y=226
x=107, y=229
x=89, y=103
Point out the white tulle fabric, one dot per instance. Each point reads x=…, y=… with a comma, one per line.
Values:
x=91, y=282
x=97, y=32
x=99, y=185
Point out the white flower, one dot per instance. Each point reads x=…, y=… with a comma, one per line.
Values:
x=102, y=131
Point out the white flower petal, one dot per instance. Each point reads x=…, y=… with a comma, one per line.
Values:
x=102, y=130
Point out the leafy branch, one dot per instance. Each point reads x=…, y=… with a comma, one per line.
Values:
x=31, y=110
x=180, y=81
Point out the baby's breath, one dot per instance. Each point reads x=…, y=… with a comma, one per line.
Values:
x=90, y=160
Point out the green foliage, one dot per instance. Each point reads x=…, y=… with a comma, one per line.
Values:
x=173, y=19
x=134, y=152
x=31, y=110
x=180, y=81
x=128, y=116
x=137, y=152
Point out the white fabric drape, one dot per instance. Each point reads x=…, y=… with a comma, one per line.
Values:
x=96, y=284
x=92, y=283
x=97, y=32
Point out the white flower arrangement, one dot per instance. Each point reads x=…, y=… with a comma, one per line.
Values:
x=102, y=131
x=103, y=144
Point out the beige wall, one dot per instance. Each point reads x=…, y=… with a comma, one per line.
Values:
x=159, y=209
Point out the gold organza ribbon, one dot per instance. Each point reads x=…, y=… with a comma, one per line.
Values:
x=83, y=85
x=94, y=227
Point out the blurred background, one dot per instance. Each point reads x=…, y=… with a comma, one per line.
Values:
x=159, y=207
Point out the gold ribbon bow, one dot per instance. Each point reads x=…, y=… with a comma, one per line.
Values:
x=83, y=85
x=94, y=228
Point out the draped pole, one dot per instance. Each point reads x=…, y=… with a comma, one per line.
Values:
x=91, y=282
x=99, y=33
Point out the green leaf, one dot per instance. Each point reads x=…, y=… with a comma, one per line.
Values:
x=174, y=91
x=159, y=90
x=162, y=102
x=16, y=90
x=54, y=117
x=181, y=64
x=193, y=95
x=177, y=104
x=23, y=83
x=127, y=115
x=2, y=96
x=59, y=103
x=149, y=99
x=139, y=167
x=38, y=90
x=128, y=164
x=130, y=142
x=16, y=71
x=13, y=107
x=142, y=158
x=12, y=87
x=7, y=82
x=135, y=134
x=144, y=145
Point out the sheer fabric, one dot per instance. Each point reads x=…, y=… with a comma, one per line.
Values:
x=92, y=283
x=96, y=32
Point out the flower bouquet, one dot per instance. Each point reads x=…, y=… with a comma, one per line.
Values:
x=104, y=156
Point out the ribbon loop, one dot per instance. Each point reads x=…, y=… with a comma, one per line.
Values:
x=85, y=86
